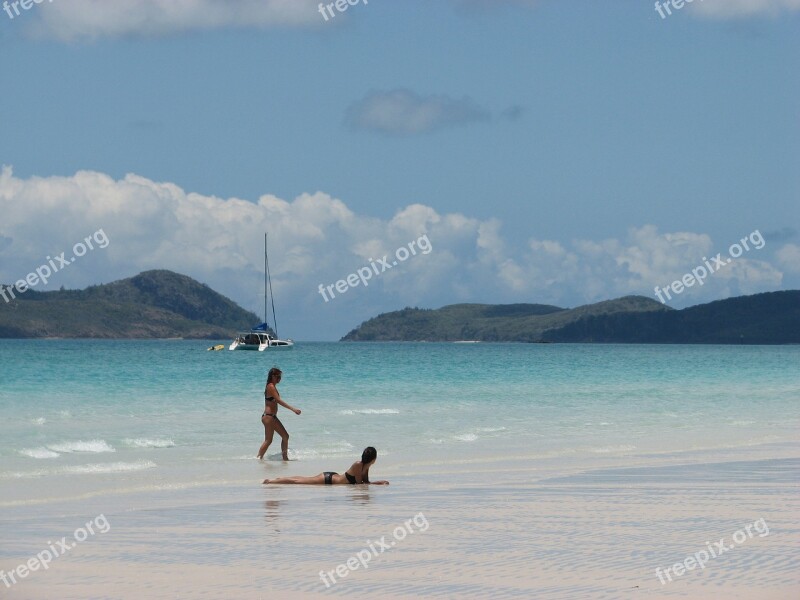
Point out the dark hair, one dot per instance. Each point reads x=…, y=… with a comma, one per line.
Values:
x=272, y=372
x=369, y=455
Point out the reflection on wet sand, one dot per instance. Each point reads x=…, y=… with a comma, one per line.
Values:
x=272, y=513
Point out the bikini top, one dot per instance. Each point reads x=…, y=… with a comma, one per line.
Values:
x=352, y=480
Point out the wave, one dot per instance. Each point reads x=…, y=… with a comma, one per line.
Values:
x=148, y=443
x=117, y=467
x=93, y=446
x=370, y=411
x=91, y=469
x=331, y=451
x=39, y=453
x=39, y=421
x=465, y=437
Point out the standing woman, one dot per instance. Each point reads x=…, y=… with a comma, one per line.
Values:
x=270, y=416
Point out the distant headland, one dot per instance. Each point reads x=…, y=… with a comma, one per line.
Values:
x=166, y=305
x=769, y=318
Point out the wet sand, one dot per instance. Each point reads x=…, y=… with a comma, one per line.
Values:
x=511, y=529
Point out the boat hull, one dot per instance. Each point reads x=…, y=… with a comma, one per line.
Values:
x=271, y=345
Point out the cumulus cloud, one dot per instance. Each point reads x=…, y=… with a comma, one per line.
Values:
x=597, y=270
x=727, y=9
x=404, y=112
x=90, y=19
x=789, y=258
x=317, y=239
x=82, y=20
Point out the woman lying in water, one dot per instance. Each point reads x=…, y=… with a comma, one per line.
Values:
x=357, y=473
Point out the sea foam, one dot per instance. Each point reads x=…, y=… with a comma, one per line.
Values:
x=117, y=467
x=39, y=453
x=148, y=443
x=92, y=446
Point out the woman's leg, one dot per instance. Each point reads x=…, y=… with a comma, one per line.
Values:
x=315, y=480
x=284, y=437
x=269, y=432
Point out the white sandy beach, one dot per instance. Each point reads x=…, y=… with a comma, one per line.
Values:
x=508, y=529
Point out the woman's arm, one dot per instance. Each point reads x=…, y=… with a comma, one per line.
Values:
x=296, y=411
x=365, y=479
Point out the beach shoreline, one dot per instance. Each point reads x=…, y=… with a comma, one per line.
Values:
x=594, y=533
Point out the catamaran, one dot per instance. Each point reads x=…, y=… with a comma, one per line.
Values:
x=259, y=338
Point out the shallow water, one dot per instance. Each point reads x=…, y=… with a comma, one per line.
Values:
x=84, y=416
x=543, y=471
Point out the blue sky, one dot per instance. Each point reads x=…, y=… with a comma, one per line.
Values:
x=556, y=151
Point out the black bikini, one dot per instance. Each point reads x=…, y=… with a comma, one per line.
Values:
x=273, y=415
x=350, y=478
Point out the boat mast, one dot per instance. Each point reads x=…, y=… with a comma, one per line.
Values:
x=266, y=271
x=268, y=283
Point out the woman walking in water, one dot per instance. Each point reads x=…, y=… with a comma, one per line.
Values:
x=270, y=415
x=357, y=473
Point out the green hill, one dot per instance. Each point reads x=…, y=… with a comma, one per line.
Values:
x=486, y=322
x=771, y=318
x=153, y=304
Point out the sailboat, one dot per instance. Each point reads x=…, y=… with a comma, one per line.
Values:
x=259, y=338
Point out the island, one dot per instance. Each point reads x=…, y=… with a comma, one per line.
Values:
x=768, y=318
x=152, y=305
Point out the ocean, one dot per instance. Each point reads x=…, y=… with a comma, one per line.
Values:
x=98, y=415
x=125, y=427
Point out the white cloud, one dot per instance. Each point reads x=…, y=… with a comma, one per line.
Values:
x=81, y=20
x=789, y=258
x=70, y=20
x=404, y=112
x=726, y=9
x=316, y=239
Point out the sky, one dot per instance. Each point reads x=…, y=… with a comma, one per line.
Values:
x=552, y=151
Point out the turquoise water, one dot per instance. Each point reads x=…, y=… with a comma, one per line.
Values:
x=95, y=416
